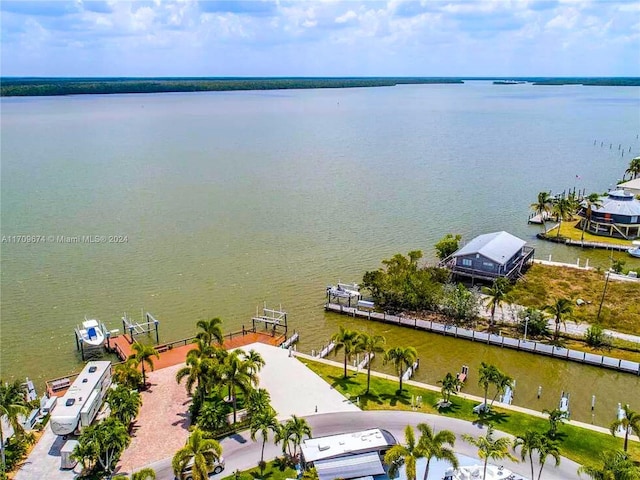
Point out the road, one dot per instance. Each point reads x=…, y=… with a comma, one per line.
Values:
x=241, y=453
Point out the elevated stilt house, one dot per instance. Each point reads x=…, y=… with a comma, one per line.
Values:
x=618, y=216
x=491, y=256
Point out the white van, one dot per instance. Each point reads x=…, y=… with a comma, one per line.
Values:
x=217, y=468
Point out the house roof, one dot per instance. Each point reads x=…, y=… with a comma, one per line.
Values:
x=319, y=448
x=632, y=185
x=619, y=202
x=353, y=466
x=498, y=246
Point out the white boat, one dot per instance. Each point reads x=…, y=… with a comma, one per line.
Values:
x=91, y=333
x=564, y=405
x=635, y=251
x=620, y=414
x=474, y=472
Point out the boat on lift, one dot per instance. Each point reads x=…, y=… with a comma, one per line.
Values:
x=635, y=251
x=475, y=472
x=91, y=332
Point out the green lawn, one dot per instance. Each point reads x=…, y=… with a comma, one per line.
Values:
x=274, y=471
x=578, y=444
x=570, y=230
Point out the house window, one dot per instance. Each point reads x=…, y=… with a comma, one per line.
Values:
x=487, y=264
x=467, y=262
x=634, y=219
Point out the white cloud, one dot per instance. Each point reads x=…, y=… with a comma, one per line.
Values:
x=350, y=15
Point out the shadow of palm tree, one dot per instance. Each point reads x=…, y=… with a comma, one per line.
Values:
x=402, y=398
x=342, y=382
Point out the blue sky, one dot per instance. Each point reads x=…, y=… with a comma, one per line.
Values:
x=321, y=38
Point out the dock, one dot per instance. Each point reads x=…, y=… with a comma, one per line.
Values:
x=411, y=370
x=365, y=361
x=530, y=346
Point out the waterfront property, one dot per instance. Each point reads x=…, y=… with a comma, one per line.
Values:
x=617, y=216
x=632, y=186
x=347, y=455
x=491, y=256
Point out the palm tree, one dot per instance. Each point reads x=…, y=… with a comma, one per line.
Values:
x=103, y=442
x=370, y=345
x=487, y=375
x=144, y=474
x=488, y=447
x=201, y=452
x=547, y=446
x=589, y=203
x=211, y=331
x=212, y=415
x=501, y=381
x=254, y=361
x=616, y=466
x=432, y=445
x=127, y=374
x=197, y=372
x=12, y=405
x=561, y=310
x=407, y=454
x=630, y=422
x=124, y=403
x=142, y=356
x=497, y=294
x=348, y=340
x=401, y=357
x=450, y=385
x=543, y=207
x=291, y=434
x=236, y=375
x=263, y=423
x=258, y=401
x=634, y=168
x=563, y=210
x=529, y=441
x=556, y=418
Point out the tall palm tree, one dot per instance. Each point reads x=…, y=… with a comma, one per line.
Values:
x=563, y=210
x=490, y=448
x=615, y=466
x=487, y=375
x=497, y=294
x=12, y=405
x=127, y=374
x=211, y=331
x=142, y=355
x=124, y=403
x=588, y=204
x=291, y=434
x=634, y=168
x=630, y=423
x=529, y=442
x=104, y=442
x=201, y=452
x=348, y=340
x=263, y=423
x=197, y=371
x=370, y=345
x=407, y=454
x=547, y=447
x=561, y=311
x=254, y=360
x=433, y=445
x=502, y=381
x=543, y=207
x=237, y=376
x=402, y=357
x=450, y=385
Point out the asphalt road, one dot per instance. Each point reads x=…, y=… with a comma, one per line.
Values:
x=241, y=453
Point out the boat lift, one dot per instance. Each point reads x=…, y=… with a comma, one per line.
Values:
x=135, y=328
x=271, y=318
x=343, y=290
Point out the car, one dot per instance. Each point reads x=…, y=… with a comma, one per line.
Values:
x=216, y=468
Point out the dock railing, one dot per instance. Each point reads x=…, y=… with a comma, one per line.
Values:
x=493, y=339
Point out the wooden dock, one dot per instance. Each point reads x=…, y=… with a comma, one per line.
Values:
x=491, y=339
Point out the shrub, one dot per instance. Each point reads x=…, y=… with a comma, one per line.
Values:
x=596, y=338
x=537, y=325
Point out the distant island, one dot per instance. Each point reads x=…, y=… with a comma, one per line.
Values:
x=36, y=86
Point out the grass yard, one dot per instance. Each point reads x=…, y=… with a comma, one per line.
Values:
x=543, y=284
x=578, y=444
x=275, y=470
x=571, y=230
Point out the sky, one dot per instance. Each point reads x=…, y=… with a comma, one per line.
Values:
x=320, y=38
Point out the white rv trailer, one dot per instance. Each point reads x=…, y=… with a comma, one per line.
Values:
x=80, y=404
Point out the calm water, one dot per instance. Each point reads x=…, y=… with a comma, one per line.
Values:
x=231, y=199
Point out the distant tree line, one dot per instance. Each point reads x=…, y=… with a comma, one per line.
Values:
x=77, y=86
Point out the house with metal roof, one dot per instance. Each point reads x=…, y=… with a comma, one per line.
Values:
x=491, y=256
x=347, y=455
x=632, y=186
x=617, y=216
